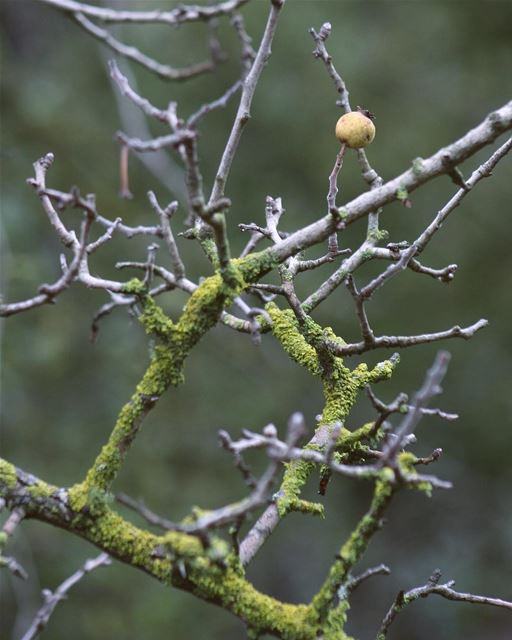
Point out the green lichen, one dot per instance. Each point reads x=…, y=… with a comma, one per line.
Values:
x=154, y=320
x=342, y=214
x=134, y=287
x=8, y=478
x=175, y=340
x=284, y=327
x=255, y=265
x=295, y=477
x=210, y=249
x=3, y=539
x=334, y=625
x=340, y=393
x=353, y=548
x=89, y=499
x=307, y=345
x=417, y=166
x=41, y=490
x=377, y=235
x=349, y=439
x=262, y=613
x=406, y=462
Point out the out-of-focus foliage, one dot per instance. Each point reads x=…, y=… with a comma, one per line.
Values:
x=429, y=71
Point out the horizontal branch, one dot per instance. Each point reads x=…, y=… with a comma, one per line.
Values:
x=183, y=13
x=155, y=144
x=130, y=52
x=423, y=170
x=389, y=342
x=432, y=587
x=52, y=599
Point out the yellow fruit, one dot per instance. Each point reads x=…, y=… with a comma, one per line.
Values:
x=355, y=129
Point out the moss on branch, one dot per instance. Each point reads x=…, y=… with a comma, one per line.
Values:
x=306, y=344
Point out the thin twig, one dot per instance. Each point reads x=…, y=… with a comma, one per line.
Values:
x=392, y=342
x=180, y=15
x=52, y=599
x=244, y=108
x=165, y=224
x=130, y=52
x=432, y=587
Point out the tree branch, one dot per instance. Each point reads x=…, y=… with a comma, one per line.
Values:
x=181, y=14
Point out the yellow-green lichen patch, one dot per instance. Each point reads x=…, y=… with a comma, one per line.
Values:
x=295, y=477
x=340, y=393
x=123, y=540
x=134, y=287
x=255, y=265
x=8, y=478
x=353, y=548
x=285, y=329
x=261, y=613
x=310, y=345
x=154, y=320
x=41, y=490
x=406, y=462
x=334, y=625
x=203, y=308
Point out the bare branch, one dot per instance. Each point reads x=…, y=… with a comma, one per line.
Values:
x=220, y=103
x=163, y=71
x=8, y=529
x=143, y=146
x=321, y=53
x=308, y=265
x=445, y=274
x=149, y=516
x=244, y=108
x=432, y=587
x=41, y=166
x=181, y=14
x=483, y=134
x=366, y=330
x=391, y=342
x=430, y=388
x=433, y=457
x=143, y=103
x=354, y=583
x=12, y=565
x=53, y=599
x=333, y=187
x=165, y=216
x=104, y=238
x=48, y=292
x=248, y=52
x=239, y=462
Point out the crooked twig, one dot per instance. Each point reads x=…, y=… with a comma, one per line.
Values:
x=52, y=599
x=433, y=587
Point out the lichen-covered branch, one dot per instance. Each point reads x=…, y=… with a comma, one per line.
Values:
x=194, y=554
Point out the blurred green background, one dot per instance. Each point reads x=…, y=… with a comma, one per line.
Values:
x=429, y=71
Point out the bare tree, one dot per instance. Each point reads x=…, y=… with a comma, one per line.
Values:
x=205, y=553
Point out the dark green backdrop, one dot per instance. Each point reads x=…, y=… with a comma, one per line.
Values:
x=429, y=71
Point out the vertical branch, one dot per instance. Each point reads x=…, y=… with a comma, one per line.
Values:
x=244, y=108
x=331, y=195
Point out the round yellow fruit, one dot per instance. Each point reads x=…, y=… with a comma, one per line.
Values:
x=355, y=129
